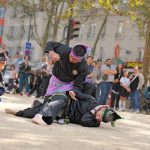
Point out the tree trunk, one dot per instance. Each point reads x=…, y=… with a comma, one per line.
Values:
x=99, y=33
x=146, y=63
x=57, y=21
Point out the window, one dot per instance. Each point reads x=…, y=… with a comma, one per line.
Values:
x=120, y=30
x=92, y=31
x=17, y=32
x=25, y=32
x=140, y=54
x=10, y=32
x=81, y=31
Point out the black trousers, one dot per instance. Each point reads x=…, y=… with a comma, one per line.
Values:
x=115, y=95
x=89, y=89
x=36, y=87
x=44, y=84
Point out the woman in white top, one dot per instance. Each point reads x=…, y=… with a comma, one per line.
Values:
x=124, y=90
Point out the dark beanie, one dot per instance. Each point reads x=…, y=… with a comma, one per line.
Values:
x=79, y=50
x=111, y=112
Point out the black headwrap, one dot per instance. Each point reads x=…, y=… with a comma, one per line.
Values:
x=79, y=50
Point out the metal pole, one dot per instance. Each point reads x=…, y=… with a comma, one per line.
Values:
x=69, y=26
x=29, y=29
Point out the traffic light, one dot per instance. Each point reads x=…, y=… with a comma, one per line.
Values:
x=74, y=28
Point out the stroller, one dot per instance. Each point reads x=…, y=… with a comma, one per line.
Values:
x=146, y=105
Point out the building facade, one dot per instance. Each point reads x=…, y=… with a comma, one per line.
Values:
x=118, y=30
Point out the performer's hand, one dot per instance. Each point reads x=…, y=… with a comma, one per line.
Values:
x=72, y=94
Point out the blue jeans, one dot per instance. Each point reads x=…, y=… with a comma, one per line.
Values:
x=105, y=90
x=98, y=88
x=135, y=99
x=24, y=77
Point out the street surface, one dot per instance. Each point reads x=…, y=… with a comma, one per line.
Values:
x=130, y=133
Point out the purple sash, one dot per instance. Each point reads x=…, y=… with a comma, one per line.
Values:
x=56, y=86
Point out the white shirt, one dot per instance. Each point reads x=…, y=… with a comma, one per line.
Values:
x=125, y=81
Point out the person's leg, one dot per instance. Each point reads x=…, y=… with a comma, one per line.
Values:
x=117, y=101
x=98, y=92
x=132, y=101
x=89, y=88
x=108, y=89
x=38, y=90
x=113, y=99
x=124, y=104
x=137, y=100
x=10, y=85
x=27, y=83
x=103, y=92
x=50, y=111
x=33, y=89
x=11, y=111
x=45, y=85
x=120, y=103
x=21, y=82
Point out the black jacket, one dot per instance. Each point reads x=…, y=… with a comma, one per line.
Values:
x=64, y=69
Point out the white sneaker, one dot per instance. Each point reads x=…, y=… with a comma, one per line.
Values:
x=61, y=121
x=137, y=111
x=131, y=110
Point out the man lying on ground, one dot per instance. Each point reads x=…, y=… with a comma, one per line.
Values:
x=85, y=111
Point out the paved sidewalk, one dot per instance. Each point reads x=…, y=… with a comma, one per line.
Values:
x=130, y=133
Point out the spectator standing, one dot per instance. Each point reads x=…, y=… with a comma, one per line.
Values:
x=124, y=90
x=108, y=72
x=24, y=72
x=136, y=83
x=115, y=96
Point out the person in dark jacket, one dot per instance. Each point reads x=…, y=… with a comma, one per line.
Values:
x=84, y=111
x=69, y=70
x=24, y=72
x=87, y=112
x=115, y=96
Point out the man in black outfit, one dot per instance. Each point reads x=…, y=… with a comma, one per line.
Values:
x=69, y=72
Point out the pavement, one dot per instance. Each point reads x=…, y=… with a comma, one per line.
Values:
x=130, y=133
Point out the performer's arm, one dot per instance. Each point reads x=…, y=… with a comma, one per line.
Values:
x=55, y=50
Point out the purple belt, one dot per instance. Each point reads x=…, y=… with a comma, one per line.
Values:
x=57, y=86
